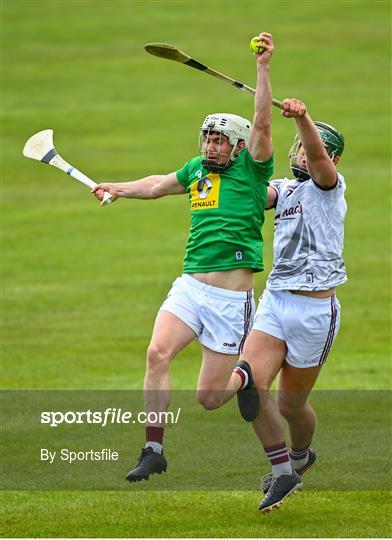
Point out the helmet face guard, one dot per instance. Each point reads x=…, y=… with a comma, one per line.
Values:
x=214, y=166
x=333, y=142
x=234, y=127
x=300, y=172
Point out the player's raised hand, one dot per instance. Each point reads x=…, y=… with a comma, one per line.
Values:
x=293, y=108
x=266, y=47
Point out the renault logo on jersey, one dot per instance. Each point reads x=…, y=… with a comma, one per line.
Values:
x=204, y=186
x=204, y=193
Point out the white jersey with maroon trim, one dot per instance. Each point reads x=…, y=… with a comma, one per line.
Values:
x=308, y=238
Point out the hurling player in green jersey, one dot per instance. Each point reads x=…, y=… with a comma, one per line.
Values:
x=213, y=300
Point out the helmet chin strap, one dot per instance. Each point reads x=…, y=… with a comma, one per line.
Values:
x=214, y=167
x=300, y=174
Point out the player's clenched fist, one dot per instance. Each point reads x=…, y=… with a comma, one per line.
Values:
x=99, y=191
x=293, y=108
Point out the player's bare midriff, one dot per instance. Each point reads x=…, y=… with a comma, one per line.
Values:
x=316, y=294
x=240, y=279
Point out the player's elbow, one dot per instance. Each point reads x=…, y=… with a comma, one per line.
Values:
x=156, y=192
x=153, y=194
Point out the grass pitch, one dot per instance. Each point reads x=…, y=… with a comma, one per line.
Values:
x=81, y=284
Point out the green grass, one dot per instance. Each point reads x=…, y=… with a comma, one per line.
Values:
x=196, y=515
x=81, y=284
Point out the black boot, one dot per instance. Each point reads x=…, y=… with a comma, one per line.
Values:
x=248, y=397
x=149, y=462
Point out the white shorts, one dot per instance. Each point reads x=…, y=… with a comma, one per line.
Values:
x=308, y=325
x=220, y=318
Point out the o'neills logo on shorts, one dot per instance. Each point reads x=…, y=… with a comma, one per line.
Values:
x=205, y=192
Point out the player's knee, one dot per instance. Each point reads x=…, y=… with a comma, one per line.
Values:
x=158, y=357
x=289, y=410
x=210, y=399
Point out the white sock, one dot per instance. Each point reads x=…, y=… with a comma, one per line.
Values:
x=279, y=459
x=282, y=468
x=244, y=376
x=156, y=446
x=299, y=459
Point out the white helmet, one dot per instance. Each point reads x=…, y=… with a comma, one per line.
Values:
x=234, y=127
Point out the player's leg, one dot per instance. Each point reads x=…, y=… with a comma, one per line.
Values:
x=227, y=317
x=215, y=373
x=311, y=327
x=294, y=388
x=267, y=334
x=170, y=335
x=265, y=355
x=265, y=352
x=176, y=325
x=295, y=385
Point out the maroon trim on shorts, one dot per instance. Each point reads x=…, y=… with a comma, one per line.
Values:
x=247, y=318
x=331, y=332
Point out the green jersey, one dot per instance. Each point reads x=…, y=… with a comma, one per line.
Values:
x=227, y=212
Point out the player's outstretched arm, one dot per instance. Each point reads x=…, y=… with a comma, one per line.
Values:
x=150, y=187
x=320, y=165
x=260, y=140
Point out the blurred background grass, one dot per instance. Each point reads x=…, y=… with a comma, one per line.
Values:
x=82, y=284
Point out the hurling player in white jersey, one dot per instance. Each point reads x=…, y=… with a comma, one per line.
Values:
x=298, y=315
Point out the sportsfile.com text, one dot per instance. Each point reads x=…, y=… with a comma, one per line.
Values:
x=109, y=416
